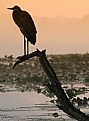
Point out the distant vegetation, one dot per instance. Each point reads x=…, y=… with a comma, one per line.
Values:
x=69, y=68
x=29, y=75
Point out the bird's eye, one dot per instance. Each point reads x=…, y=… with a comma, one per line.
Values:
x=16, y=9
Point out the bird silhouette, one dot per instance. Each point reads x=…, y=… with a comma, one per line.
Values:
x=26, y=25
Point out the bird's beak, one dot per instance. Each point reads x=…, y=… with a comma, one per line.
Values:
x=10, y=8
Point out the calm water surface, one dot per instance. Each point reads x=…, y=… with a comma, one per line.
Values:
x=30, y=106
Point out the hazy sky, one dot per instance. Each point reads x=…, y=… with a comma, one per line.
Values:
x=11, y=38
x=50, y=8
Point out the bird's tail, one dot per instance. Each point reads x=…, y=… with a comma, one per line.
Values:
x=32, y=38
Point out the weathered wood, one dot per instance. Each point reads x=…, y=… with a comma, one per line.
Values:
x=55, y=86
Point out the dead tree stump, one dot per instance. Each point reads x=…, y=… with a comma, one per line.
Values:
x=55, y=86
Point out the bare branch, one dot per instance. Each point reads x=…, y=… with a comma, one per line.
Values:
x=25, y=57
x=55, y=86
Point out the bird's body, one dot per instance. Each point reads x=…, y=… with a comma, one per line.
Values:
x=26, y=25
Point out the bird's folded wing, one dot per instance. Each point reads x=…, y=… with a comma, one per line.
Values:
x=28, y=23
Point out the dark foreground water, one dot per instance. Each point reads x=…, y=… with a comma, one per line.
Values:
x=29, y=106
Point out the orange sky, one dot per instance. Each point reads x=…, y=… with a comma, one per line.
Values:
x=50, y=8
x=11, y=38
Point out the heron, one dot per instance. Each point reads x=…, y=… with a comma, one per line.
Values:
x=26, y=25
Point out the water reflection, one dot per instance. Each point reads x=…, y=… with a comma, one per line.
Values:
x=17, y=98
x=27, y=106
x=18, y=105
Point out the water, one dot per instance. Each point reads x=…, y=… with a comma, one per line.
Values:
x=30, y=106
x=27, y=106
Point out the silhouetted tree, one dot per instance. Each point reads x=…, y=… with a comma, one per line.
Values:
x=63, y=102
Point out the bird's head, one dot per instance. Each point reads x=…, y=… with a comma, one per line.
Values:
x=15, y=8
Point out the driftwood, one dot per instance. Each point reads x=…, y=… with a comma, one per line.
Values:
x=55, y=86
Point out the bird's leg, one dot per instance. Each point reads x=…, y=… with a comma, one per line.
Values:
x=27, y=47
x=24, y=46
